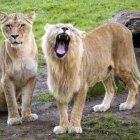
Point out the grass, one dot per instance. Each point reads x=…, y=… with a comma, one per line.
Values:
x=98, y=89
x=28, y=138
x=44, y=97
x=1, y=131
x=104, y=127
x=83, y=14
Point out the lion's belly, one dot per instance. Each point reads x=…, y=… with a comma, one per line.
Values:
x=95, y=77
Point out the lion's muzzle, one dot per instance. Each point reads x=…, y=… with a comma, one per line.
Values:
x=14, y=39
x=62, y=44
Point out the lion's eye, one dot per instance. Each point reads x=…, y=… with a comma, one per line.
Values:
x=22, y=25
x=8, y=25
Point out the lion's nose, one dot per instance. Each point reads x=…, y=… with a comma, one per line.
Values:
x=14, y=36
x=64, y=29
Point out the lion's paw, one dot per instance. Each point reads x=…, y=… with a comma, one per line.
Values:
x=14, y=121
x=126, y=106
x=30, y=118
x=59, y=130
x=100, y=108
x=75, y=129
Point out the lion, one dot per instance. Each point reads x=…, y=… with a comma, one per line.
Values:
x=77, y=60
x=18, y=66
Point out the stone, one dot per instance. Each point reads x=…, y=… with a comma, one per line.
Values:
x=131, y=19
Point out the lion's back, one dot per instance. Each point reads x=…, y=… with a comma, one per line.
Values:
x=105, y=46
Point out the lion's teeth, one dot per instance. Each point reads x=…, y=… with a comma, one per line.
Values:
x=67, y=38
x=59, y=36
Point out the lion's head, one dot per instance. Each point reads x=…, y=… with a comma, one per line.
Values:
x=61, y=39
x=16, y=27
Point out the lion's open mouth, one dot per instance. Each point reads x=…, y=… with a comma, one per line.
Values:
x=62, y=44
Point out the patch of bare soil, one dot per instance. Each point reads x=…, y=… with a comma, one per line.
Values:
x=48, y=115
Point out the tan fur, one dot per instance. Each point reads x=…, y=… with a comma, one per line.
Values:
x=18, y=66
x=92, y=57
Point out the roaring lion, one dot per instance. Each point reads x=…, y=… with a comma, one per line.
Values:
x=18, y=66
x=77, y=60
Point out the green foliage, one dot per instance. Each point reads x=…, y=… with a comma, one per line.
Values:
x=44, y=97
x=1, y=131
x=134, y=127
x=64, y=137
x=83, y=14
x=106, y=127
x=98, y=89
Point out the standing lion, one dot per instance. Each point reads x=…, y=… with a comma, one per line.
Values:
x=78, y=60
x=18, y=66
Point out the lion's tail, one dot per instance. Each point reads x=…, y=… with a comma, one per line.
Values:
x=135, y=71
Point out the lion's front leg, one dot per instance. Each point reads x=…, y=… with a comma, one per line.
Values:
x=63, y=124
x=79, y=102
x=27, y=92
x=10, y=95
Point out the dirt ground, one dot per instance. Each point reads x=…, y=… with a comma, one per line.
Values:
x=48, y=116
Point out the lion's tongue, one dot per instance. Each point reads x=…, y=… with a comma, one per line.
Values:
x=60, y=48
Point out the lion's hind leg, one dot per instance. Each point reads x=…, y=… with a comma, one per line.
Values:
x=132, y=84
x=110, y=88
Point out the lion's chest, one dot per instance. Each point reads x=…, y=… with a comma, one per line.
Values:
x=23, y=70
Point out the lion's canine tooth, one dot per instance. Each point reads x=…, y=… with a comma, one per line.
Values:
x=67, y=37
x=59, y=36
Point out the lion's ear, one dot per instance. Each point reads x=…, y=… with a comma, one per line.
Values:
x=3, y=16
x=31, y=16
x=47, y=26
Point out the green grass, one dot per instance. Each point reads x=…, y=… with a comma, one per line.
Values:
x=44, y=97
x=98, y=89
x=81, y=13
x=28, y=138
x=1, y=131
x=106, y=127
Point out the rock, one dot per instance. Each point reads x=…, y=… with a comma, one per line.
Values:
x=131, y=19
